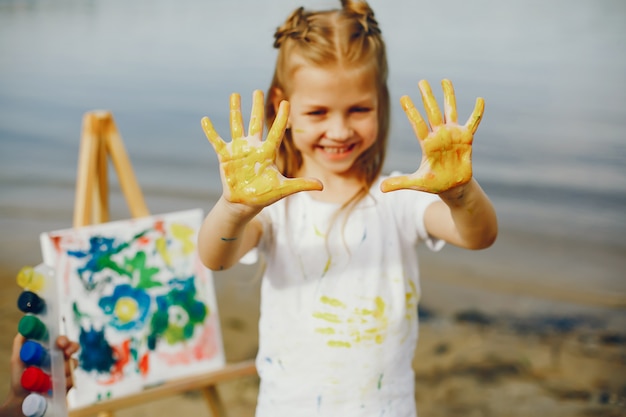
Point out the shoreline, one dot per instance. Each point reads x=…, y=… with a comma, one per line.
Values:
x=522, y=260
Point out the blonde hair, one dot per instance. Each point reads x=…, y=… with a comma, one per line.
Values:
x=350, y=38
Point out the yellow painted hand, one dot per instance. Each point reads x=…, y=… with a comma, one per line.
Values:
x=249, y=174
x=446, y=146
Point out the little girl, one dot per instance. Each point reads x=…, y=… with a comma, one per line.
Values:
x=338, y=325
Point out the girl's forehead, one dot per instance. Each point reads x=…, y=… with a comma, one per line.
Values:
x=333, y=81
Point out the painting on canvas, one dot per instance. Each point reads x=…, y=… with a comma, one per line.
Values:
x=135, y=296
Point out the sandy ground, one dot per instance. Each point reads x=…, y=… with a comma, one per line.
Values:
x=468, y=362
x=488, y=346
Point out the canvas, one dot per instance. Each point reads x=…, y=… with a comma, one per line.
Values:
x=139, y=302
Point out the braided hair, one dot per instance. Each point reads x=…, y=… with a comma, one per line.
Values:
x=346, y=38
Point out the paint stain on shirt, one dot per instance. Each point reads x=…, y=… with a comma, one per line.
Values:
x=346, y=327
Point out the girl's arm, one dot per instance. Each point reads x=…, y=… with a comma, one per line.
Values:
x=228, y=232
x=250, y=181
x=464, y=218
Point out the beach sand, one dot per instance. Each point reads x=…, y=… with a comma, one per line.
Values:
x=488, y=346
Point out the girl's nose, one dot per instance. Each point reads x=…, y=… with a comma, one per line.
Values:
x=339, y=130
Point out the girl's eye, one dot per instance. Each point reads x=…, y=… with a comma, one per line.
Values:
x=316, y=113
x=361, y=109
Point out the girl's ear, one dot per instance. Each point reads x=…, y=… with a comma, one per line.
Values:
x=277, y=96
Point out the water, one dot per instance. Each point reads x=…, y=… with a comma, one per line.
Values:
x=550, y=151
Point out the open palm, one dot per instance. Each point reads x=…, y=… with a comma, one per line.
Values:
x=446, y=146
x=247, y=164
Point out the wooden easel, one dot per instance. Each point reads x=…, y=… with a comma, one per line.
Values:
x=100, y=140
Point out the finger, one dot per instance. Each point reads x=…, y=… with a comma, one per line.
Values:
x=72, y=348
x=236, y=120
x=419, y=125
x=477, y=115
x=16, y=364
x=269, y=193
x=295, y=185
x=403, y=182
x=18, y=341
x=68, y=367
x=393, y=183
x=430, y=104
x=256, y=117
x=275, y=135
x=449, y=102
x=211, y=134
x=69, y=373
x=62, y=342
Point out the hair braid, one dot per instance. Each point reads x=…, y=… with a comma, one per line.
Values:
x=295, y=27
x=363, y=14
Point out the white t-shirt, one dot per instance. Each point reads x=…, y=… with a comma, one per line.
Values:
x=338, y=324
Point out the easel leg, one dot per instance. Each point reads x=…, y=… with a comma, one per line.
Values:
x=128, y=181
x=101, y=184
x=212, y=398
x=87, y=159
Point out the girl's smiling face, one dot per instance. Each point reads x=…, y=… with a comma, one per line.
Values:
x=333, y=118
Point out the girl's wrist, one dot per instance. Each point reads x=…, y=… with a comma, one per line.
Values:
x=238, y=212
x=456, y=196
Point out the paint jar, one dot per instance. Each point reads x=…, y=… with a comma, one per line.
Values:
x=30, y=279
x=29, y=302
x=34, y=405
x=31, y=327
x=40, y=326
x=32, y=353
x=36, y=380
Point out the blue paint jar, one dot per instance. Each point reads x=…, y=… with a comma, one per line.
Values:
x=32, y=353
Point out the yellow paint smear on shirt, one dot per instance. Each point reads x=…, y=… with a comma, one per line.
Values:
x=411, y=300
x=332, y=301
x=325, y=330
x=380, y=308
x=330, y=317
x=318, y=232
x=378, y=311
x=326, y=267
x=339, y=343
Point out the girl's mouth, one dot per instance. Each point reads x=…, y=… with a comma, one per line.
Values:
x=338, y=150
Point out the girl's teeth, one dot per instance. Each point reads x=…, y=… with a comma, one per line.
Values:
x=335, y=150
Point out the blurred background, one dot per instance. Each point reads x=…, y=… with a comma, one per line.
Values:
x=550, y=152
